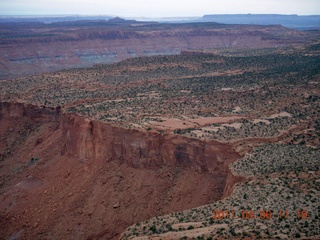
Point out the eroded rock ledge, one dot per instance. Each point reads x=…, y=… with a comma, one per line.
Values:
x=90, y=139
x=145, y=173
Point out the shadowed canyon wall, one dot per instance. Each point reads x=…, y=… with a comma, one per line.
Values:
x=92, y=179
x=89, y=139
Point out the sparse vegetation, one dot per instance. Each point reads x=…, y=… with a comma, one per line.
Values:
x=155, y=90
x=272, y=96
x=262, y=207
x=271, y=158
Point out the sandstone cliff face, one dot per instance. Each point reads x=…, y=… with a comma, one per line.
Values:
x=89, y=139
x=93, y=180
x=19, y=110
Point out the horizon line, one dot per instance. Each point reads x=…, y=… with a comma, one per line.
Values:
x=158, y=17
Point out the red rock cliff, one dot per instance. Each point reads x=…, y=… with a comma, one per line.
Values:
x=18, y=110
x=89, y=139
x=124, y=176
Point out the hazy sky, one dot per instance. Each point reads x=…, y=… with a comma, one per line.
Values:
x=159, y=8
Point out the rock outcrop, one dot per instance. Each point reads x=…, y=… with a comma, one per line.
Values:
x=231, y=180
x=90, y=139
x=93, y=179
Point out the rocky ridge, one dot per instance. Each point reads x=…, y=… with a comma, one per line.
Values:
x=88, y=171
x=37, y=47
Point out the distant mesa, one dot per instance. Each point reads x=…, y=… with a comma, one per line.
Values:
x=120, y=20
x=116, y=19
x=90, y=41
x=291, y=21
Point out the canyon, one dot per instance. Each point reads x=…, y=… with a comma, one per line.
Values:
x=202, y=116
x=80, y=178
x=35, y=47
